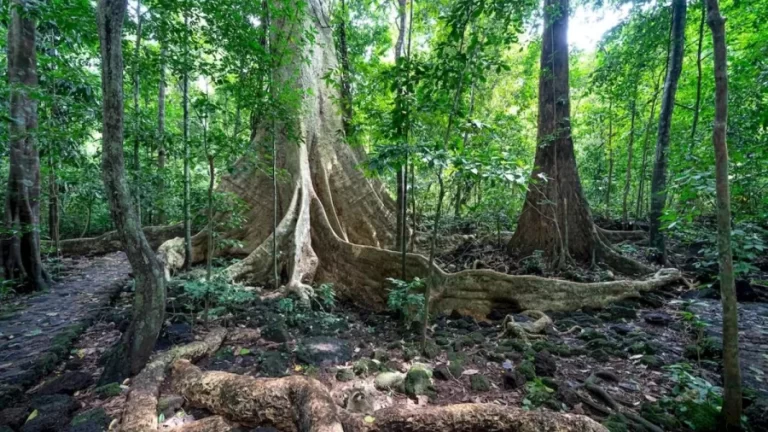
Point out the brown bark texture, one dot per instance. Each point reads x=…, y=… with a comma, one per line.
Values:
x=140, y=412
x=137, y=343
x=21, y=242
x=732, y=400
x=556, y=217
x=335, y=225
x=298, y=403
x=659, y=180
x=111, y=242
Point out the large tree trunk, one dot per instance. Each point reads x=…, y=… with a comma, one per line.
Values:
x=556, y=218
x=21, y=246
x=137, y=343
x=336, y=225
x=659, y=181
x=347, y=108
x=731, y=368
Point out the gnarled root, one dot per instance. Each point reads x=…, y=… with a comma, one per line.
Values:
x=140, y=413
x=303, y=404
x=620, y=236
x=288, y=404
x=208, y=424
x=526, y=330
x=110, y=242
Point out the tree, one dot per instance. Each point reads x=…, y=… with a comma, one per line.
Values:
x=21, y=243
x=731, y=368
x=556, y=218
x=659, y=180
x=335, y=224
x=138, y=342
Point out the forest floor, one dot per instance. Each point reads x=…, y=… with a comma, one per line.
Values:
x=647, y=354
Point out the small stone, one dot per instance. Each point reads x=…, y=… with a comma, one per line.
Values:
x=418, y=381
x=651, y=361
x=94, y=420
x=389, y=381
x=274, y=364
x=345, y=374
x=14, y=417
x=545, y=364
x=607, y=375
x=657, y=318
x=443, y=373
x=380, y=355
x=590, y=335
x=477, y=338
x=442, y=341
x=615, y=312
x=622, y=329
x=276, y=332
x=599, y=355
x=364, y=367
x=513, y=379
x=394, y=365
x=68, y=383
x=456, y=368
x=568, y=396
x=108, y=390
x=528, y=370
x=479, y=383
x=431, y=351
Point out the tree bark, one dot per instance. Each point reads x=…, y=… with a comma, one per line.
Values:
x=137, y=343
x=659, y=180
x=53, y=208
x=347, y=109
x=401, y=175
x=610, y=160
x=697, y=105
x=556, y=217
x=731, y=369
x=21, y=246
x=112, y=242
x=137, y=114
x=161, y=218
x=185, y=109
x=630, y=149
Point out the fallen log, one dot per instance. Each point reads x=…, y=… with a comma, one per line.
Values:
x=140, y=413
x=301, y=404
x=110, y=242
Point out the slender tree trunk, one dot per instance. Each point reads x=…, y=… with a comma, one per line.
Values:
x=185, y=109
x=647, y=140
x=401, y=180
x=21, y=247
x=659, y=181
x=87, y=219
x=697, y=105
x=53, y=207
x=731, y=370
x=610, y=160
x=137, y=343
x=630, y=149
x=161, y=218
x=137, y=113
x=346, y=72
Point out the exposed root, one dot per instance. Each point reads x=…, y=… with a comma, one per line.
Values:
x=208, y=424
x=620, y=236
x=287, y=404
x=303, y=404
x=613, y=407
x=110, y=242
x=140, y=413
x=526, y=330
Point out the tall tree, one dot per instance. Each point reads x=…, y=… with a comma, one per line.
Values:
x=21, y=246
x=137, y=343
x=556, y=218
x=659, y=180
x=346, y=72
x=137, y=112
x=161, y=218
x=731, y=369
x=401, y=174
x=185, y=127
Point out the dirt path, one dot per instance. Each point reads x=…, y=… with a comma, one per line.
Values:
x=36, y=331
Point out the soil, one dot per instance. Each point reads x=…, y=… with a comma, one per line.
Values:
x=625, y=349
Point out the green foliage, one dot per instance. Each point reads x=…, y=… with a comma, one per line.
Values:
x=326, y=295
x=537, y=393
x=221, y=296
x=694, y=400
x=405, y=301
